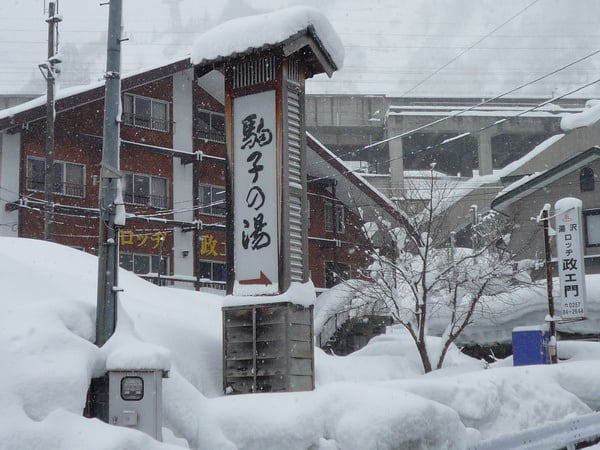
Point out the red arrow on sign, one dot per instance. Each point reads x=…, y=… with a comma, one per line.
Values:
x=262, y=279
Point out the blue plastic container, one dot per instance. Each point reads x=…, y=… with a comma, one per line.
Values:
x=530, y=345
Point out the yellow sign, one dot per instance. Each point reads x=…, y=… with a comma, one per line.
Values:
x=139, y=240
x=209, y=246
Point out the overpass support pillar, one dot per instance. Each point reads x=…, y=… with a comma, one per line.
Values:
x=396, y=164
x=484, y=149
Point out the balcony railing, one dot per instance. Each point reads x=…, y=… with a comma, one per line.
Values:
x=152, y=201
x=211, y=135
x=61, y=188
x=148, y=122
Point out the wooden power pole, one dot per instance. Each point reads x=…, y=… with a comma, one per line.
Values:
x=111, y=213
x=49, y=71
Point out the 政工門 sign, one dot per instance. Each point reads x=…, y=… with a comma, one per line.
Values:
x=570, y=255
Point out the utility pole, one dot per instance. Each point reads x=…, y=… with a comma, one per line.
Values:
x=474, y=222
x=112, y=214
x=548, y=263
x=49, y=72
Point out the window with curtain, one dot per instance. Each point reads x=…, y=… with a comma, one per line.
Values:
x=145, y=190
x=592, y=227
x=69, y=178
x=212, y=200
x=210, y=126
x=587, y=180
x=145, y=112
x=334, y=217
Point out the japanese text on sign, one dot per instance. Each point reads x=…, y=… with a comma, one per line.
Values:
x=254, y=235
x=255, y=193
x=129, y=238
x=571, y=266
x=210, y=246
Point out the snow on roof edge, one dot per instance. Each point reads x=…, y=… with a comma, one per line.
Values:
x=511, y=193
x=589, y=116
x=348, y=171
x=61, y=94
x=256, y=31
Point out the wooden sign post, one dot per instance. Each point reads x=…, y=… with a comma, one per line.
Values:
x=268, y=327
x=267, y=206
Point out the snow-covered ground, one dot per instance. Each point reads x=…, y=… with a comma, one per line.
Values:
x=376, y=398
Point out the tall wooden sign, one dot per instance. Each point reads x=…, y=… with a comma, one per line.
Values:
x=268, y=339
x=267, y=242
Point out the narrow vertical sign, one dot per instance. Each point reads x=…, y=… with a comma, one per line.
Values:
x=255, y=195
x=571, y=265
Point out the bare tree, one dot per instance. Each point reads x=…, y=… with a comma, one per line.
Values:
x=423, y=275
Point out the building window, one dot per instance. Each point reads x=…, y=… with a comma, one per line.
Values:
x=335, y=273
x=592, y=227
x=145, y=190
x=145, y=112
x=334, y=222
x=68, y=177
x=212, y=200
x=586, y=179
x=210, y=126
x=212, y=270
x=142, y=264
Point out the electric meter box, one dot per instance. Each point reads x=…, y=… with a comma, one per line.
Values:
x=530, y=345
x=135, y=400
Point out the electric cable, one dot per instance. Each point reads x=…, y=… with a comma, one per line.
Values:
x=423, y=81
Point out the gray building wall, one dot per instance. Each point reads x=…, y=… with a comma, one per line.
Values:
x=571, y=143
x=10, y=152
x=527, y=240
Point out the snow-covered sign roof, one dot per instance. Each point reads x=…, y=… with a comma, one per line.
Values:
x=283, y=28
x=526, y=185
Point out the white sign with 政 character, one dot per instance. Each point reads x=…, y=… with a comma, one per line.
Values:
x=255, y=195
x=571, y=265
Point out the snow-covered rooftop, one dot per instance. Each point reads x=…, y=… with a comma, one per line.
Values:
x=243, y=34
x=589, y=116
x=468, y=111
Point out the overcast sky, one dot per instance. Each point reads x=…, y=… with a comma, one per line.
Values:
x=476, y=48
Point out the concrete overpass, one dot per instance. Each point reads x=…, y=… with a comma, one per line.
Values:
x=465, y=137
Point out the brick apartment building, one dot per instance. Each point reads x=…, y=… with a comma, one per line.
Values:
x=173, y=162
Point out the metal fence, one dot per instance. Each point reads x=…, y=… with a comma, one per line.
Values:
x=570, y=434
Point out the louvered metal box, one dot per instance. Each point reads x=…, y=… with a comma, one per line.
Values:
x=268, y=348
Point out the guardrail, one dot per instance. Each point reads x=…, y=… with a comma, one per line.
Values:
x=557, y=435
x=198, y=284
x=330, y=326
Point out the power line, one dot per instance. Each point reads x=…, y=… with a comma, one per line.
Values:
x=498, y=122
x=470, y=133
x=456, y=114
x=469, y=48
x=491, y=99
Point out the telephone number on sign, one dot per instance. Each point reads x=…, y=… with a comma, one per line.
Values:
x=573, y=312
x=572, y=305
